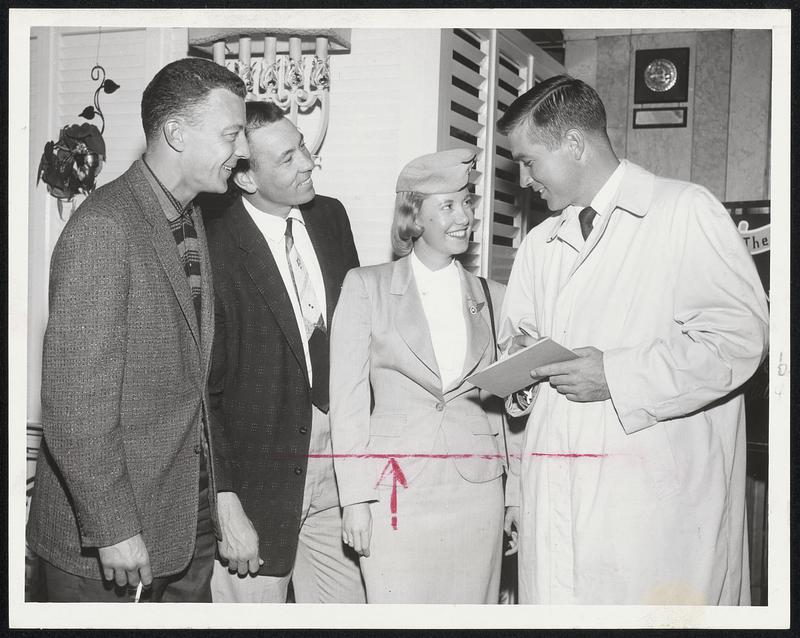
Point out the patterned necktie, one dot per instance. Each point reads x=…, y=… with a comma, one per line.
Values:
x=585, y=217
x=309, y=306
x=318, y=348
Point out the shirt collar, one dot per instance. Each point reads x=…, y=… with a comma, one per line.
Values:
x=603, y=202
x=176, y=211
x=272, y=226
x=425, y=275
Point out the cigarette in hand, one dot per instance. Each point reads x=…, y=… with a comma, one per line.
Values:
x=138, y=592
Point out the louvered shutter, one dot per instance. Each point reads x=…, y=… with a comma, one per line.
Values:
x=465, y=57
x=486, y=70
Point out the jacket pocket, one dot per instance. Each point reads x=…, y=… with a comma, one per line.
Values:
x=386, y=424
x=481, y=424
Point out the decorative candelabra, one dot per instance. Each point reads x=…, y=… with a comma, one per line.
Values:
x=296, y=83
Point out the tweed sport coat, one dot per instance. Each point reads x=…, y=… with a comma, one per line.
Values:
x=259, y=391
x=387, y=399
x=124, y=390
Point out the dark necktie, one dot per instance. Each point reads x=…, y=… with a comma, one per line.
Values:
x=315, y=325
x=585, y=217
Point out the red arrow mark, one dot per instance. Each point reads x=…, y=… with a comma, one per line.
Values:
x=397, y=475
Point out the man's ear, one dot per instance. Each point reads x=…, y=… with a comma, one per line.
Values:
x=575, y=141
x=173, y=134
x=244, y=180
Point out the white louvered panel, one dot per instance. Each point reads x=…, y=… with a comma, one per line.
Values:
x=463, y=98
x=456, y=100
x=506, y=186
x=509, y=78
x=505, y=61
x=504, y=208
x=507, y=226
x=505, y=164
x=468, y=76
x=469, y=51
x=454, y=142
x=504, y=230
x=465, y=124
x=505, y=96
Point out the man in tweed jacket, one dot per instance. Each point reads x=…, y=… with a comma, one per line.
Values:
x=124, y=485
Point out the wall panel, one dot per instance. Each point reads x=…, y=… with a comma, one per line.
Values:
x=748, y=133
x=712, y=88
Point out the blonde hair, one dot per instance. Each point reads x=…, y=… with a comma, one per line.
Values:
x=405, y=228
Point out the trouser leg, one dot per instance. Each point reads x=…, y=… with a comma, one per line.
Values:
x=325, y=569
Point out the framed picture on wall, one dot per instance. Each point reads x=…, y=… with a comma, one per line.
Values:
x=662, y=75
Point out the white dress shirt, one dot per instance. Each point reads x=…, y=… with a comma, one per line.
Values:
x=273, y=228
x=443, y=303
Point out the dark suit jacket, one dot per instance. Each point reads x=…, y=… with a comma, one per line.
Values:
x=123, y=386
x=259, y=391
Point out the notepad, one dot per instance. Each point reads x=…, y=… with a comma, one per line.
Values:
x=509, y=375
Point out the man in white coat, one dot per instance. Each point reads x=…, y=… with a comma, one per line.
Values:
x=630, y=487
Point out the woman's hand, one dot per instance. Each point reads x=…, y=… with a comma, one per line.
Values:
x=357, y=527
x=510, y=526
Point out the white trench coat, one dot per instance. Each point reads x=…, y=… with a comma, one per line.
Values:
x=655, y=511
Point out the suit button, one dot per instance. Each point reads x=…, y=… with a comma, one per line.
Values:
x=303, y=429
x=198, y=448
x=439, y=406
x=298, y=471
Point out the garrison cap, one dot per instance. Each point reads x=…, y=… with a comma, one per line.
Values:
x=442, y=172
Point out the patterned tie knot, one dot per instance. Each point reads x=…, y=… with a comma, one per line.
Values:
x=586, y=217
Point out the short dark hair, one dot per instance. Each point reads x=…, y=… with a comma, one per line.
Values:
x=180, y=87
x=258, y=114
x=405, y=229
x=554, y=106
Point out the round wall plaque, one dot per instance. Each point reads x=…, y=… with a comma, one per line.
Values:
x=660, y=75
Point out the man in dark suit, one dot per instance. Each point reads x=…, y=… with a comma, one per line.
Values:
x=279, y=256
x=124, y=489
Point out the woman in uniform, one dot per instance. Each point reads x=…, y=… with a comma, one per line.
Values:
x=419, y=462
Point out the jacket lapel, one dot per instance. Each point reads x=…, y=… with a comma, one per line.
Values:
x=260, y=265
x=207, y=309
x=164, y=245
x=477, y=322
x=411, y=323
x=476, y=317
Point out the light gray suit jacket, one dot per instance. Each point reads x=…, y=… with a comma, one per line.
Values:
x=123, y=386
x=381, y=351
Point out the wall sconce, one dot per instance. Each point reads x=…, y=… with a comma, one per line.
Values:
x=288, y=67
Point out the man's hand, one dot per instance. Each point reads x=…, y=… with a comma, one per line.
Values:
x=239, y=544
x=126, y=562
x=357, y=527
x=510, y=526
x=582, y=379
